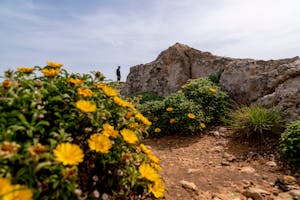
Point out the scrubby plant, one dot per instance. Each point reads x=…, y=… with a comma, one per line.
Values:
x=215, y=77
x=71, y=136
x=148, y=96
x=255, y=122
x=213, y=101
x=173, y=115
x=289, y=143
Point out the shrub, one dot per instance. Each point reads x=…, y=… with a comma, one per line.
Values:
x=174, y=115
x=67, y=136
x=289, y=143
x=148, y=96
x=209, y=96
x=215, y=77
x=255, y=122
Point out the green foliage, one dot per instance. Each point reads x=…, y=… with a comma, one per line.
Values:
x=204, y=92
x=147, y=96
x=255, y=122
x=289, y=143
x=215, y=77
x=38, y=113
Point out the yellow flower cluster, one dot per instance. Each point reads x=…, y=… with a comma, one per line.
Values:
x=26, y=70
x=75, y=81
x=172, y=120
x=122, y=103
x=100, y=143
x=68, y=154
x=14, y=192
x=156, y=187
x=54, y=64
x=50, y=72
x=8, y=149
x=186, y=85
x=157, y=130
x=85, y=92
x=143, y=119
x=6, y=84
x=202, y=125
x=212, y=90
x=85, y=106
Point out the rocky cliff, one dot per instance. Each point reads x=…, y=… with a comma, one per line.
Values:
x=273, y=82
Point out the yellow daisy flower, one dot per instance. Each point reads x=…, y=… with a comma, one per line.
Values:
x=157, y=189
x=129, y=136
x=155, y=119
x=6, y=84
x=169, y=109
x=153, y=158
x=19, y=192
x=148, y=172
x=156, y=166
x=128, y=115
x=109, y=91
x=145, y=149
x=85, y=106
x=99, y=85
x=75, y=81
x=213, y=90
x=85, y=92
x=134, y=125
x=120, y=102
x=157, y=130
x=26, y=70
x=172, y=120
x=54, y=64
x=143, y=119
x=191, y=116
x=109, y=130
x=5, y=186
x=202, y=125
x=50, y=72
x=100, y=143
x=68, y=154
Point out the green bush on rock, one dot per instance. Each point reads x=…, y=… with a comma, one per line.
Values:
x=67, y=136
x=289, y=143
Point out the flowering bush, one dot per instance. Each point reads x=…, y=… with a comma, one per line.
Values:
x=188, y=111
x=71, y=136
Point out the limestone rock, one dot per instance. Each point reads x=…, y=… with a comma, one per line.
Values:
x=188, y=185
x=255, y=193
x=247, y=169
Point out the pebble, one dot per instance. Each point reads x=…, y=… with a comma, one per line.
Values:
x=247, y=169
x=188, y=185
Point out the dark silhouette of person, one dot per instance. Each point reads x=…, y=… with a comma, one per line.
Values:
x=118, y=72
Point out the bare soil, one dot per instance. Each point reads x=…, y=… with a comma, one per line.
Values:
x=215, y=165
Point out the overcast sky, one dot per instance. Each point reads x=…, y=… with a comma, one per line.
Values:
x=91, y=35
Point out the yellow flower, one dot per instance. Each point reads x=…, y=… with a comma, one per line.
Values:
x=109, y=91
x=6, y=84
x=170, y=109
x=109, y=130
x=26, y=70
x=143, y=119
x=54, y=64
x=50, y=72
x=68, y=154
x=85, y=92
x=202, y=125
x=157, y=189
x=213, y=90
x=7, y=149
x=129, y=136
x=37, y=149
x=75, y=81
x=191, y=116
x=120, y=102
x=100, y=143
x=145, y=149
x=155, y=119
x=153, y=158
x=18, y=192
x=172, y=120
x=156, y=166
x=85, y=106
x=157, y=130
x=134, y=125
x=99, y=85
x=5, y=186
x=186, y=85
x=148, y=172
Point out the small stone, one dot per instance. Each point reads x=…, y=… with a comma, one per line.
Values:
x=225, y=163
x=284, y=196
x=218, y=149
x=216, y=133
x=229, y=157
x=289, y=180
x=188, y=185
x=255, y=193
x=247, y=169
x=191, y=171
x=222, y=129
x=271, y=164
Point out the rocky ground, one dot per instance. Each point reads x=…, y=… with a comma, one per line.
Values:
x=213, y=166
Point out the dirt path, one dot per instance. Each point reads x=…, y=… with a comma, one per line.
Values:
x=213, y=166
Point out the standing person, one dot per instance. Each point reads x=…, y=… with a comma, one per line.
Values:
x=118, y=73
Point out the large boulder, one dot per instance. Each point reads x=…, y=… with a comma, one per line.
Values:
x=271, y=83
